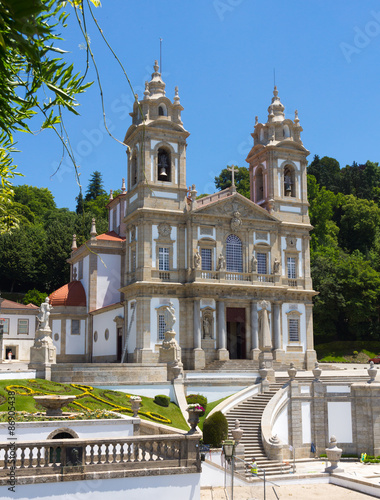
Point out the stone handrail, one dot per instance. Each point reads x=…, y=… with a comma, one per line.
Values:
x=236, y=398
x=274, y=451
x=38, y=458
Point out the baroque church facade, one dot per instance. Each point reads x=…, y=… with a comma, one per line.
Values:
x=236, y=271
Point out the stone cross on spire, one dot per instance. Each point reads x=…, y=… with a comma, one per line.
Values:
x=232, y=170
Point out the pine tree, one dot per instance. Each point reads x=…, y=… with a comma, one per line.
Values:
x=80, y=203
x=95, y=186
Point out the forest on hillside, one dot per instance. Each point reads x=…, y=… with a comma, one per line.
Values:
x=345, y=242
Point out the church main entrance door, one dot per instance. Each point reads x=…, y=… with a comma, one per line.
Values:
x=236, y=340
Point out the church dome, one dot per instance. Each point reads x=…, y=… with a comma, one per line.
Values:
x=71, y=294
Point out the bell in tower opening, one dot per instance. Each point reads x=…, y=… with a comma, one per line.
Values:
x=163, y=165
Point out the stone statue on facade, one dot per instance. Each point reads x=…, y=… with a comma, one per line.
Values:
x=253, y=264
x=43, y=315
x=169, y=316
x=276, y=266
x=197, y=260
x=221, y=263
x=206, y=326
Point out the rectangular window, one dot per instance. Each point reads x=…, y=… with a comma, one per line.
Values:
x=206, y=259
x=161, y=327
x=163, y=259
x=291, y=268
x=23, y=327
x=75, y=327
x=80, y=270
x=4, y=326
x=262, y=263
x=294, y=335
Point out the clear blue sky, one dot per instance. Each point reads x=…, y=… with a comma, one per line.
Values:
x=221, y=54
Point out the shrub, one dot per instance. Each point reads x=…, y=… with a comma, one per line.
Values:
x=197, y=399
x=162, y=400
x=215, y=429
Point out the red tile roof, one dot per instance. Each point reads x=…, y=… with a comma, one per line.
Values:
x=72, y=294
x=110, y=236
x=9, y=304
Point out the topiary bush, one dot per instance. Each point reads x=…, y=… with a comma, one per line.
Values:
x=215, y=429
x=199, y=400
x=162, y=400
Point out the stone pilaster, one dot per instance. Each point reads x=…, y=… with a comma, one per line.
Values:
x=222, y=334
x=254, y=331
x=319, y=417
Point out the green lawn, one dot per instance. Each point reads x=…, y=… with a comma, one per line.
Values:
x=348, y=351
x=88, y=399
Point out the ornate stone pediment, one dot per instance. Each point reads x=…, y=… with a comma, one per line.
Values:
x=237, y=208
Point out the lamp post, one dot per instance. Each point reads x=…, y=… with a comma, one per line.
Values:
x=229, y=454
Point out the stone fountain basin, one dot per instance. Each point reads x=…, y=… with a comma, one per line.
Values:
x=54, y=403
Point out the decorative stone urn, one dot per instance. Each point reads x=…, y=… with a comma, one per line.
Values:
x=237, y=432
x=292, y=372
x=194, y=412
x=333, y=456
x=263, y=372
x=372, y=372
x=53, y=403
x=135, y=404
x=317, y=372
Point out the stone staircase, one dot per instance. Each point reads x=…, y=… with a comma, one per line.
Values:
x=249, y=414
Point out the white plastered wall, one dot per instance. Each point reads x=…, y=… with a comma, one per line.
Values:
x=340, y=421
x=56, y=330
x=75, y=344
x=108, y=282
x=22, y=342
x=101, y=323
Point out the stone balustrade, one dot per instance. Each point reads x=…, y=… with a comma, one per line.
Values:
x=160, y=454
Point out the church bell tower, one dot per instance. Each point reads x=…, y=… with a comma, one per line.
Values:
x=277, y=165
x=156, y=143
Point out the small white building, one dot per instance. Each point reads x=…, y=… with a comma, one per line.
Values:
x=18, y=328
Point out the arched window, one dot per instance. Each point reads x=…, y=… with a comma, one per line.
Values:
x=289, y=181
x=286, y=131
x=163, y=165
x=259, y=183
x=162, y=110
x=234, y=254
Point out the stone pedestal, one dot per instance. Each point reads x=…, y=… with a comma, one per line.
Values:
x=255, y=354
x=199, y=359
x=170, y=353
x=266, y=361
x=43, y=354
x=223, y=355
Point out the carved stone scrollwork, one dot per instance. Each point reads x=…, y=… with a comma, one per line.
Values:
x=164, y=230
x=236, y=221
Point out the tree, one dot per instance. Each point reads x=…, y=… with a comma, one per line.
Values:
x=362, y=181
x=34, y=79
x=326, y=171
x=224, y=180
x=95, y=187
x=323, y=204
x=34, y=297
x=358, y=220
x=349, y=292
x=38, y=200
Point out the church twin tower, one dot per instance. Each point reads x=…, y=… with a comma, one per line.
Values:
x=236, y=271
x=222, y=259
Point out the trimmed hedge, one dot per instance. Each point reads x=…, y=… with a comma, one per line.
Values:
x=215, y=429
x=162, y=400
x=197, y=399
